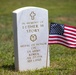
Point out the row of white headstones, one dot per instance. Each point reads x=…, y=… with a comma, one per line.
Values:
x=31, y=38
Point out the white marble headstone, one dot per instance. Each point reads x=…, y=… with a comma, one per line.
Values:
x=31, y=38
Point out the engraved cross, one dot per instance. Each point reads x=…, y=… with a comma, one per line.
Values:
x=32, y=14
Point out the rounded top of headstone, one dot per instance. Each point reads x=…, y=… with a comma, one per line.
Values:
x=26, y=8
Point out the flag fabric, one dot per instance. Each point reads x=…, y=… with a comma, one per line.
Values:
x=62, y=34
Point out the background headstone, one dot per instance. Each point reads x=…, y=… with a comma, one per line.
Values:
x=31, y=38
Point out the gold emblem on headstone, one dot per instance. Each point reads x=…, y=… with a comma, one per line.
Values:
x=33, y=37
x=32, y=14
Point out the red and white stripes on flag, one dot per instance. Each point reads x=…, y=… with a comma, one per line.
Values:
x=67, y=39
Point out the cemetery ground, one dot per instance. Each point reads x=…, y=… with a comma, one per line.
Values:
x=62, y=59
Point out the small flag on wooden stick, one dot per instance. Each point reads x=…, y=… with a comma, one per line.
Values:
x=62, y=34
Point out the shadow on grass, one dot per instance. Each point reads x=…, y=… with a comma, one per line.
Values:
x=8, y=67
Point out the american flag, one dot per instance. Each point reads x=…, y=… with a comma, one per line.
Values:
x=62, y=34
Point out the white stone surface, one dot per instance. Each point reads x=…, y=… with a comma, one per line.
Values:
x=31, y=38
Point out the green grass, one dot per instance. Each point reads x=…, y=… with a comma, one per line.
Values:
x=62, y=59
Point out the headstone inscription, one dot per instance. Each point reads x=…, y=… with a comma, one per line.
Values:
x=31, y=38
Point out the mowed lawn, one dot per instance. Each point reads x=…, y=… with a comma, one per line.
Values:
x=62, y=59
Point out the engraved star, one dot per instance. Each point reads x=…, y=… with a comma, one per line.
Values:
x=32, y=14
